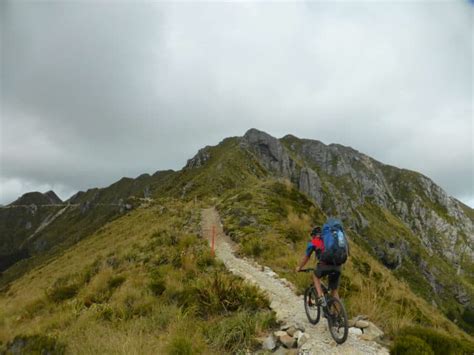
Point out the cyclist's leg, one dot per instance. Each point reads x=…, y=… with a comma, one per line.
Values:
x=317, y=285
x=319, y=273
x=333, y=280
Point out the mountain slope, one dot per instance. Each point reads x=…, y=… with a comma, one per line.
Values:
x=412, y=257
x=401, y=217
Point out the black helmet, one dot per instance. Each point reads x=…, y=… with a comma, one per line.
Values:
x=316, y=231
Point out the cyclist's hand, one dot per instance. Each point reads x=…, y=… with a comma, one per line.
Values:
x=298, y=269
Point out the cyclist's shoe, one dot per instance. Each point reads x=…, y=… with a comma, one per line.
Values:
x=322, y=301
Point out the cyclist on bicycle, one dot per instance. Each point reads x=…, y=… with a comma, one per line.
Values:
x=333, y=272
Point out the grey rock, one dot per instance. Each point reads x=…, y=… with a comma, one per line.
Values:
x=202, y=156
x=355, y=331
x=270, y=343
x=310, y=184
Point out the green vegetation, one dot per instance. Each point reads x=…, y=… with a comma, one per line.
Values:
x=410, y=345
x=34, y=344
x=429, y=341
x=144, y=282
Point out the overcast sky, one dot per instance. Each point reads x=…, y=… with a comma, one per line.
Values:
x=93, y=91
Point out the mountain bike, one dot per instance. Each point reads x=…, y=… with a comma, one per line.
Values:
x=333, y=311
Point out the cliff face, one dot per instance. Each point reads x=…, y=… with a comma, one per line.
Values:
x=408, y=222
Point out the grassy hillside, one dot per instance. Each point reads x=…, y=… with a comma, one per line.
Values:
x=114, y=274
x=145, y=283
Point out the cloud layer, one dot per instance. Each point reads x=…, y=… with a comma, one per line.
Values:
x=94, y=91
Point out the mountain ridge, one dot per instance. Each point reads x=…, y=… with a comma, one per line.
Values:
x=401, y=218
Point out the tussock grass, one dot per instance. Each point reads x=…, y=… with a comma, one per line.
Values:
x=145, y=283
x=281, y=230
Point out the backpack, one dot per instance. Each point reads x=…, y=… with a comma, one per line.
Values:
x=336, y=247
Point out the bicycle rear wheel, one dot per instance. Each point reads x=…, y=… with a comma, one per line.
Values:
x=337, y=320
x=311, y=305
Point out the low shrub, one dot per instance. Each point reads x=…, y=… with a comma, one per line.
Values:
x=252, y=246
x=34, y=344
x=180, y=345
x=157, y=286
x=233, y=333
x=410, y=345
x=440, y=343
x=115, y=281
x=220, y=294
x=61, y=293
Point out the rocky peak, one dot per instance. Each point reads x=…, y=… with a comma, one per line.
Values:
x=38, y=199
x=270, y=150
x=54, y=199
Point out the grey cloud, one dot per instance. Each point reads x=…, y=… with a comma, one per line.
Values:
x=94, y=91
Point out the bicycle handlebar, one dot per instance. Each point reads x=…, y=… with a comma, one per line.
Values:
x=307, y=270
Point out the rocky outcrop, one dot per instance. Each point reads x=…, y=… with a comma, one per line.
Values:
x=202, y=156
x=344, y=181
x=270, y=152
x=310, y=183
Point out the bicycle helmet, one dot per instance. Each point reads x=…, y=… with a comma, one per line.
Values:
x=316, y=231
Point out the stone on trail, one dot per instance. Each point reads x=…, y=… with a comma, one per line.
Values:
x=356, y=331
x=269, y=343
x=288, y=341
x=291, y=331
x=279, y=334
x=362, y=324
x=351, y=322
x=367, y=337
x=297, y=334
x=300, y=326
x=373, y=331
x=302, y=339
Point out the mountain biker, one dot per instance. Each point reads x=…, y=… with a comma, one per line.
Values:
x=333, y=272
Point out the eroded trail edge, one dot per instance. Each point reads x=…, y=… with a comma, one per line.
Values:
x=287, y=305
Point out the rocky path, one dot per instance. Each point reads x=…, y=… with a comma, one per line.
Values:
x=287, y=305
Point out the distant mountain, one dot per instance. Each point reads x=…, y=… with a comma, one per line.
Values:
x=38, y=198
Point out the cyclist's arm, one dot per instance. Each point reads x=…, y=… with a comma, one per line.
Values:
x=309, y=251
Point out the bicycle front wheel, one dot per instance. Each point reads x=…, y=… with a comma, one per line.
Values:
x=311, y=305
x=337, y=320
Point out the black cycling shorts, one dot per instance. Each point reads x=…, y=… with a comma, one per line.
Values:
x=333, y=272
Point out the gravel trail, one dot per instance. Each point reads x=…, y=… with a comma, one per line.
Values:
x=287, y=305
